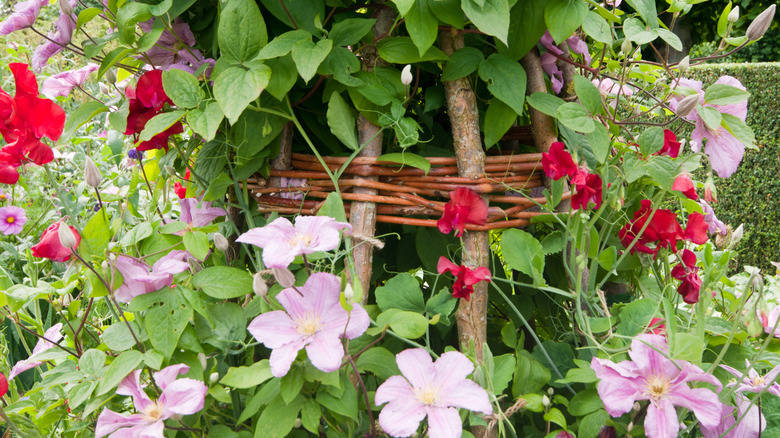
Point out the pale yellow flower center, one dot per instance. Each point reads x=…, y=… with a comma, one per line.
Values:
x=759, y=381
x=301, y=239
x=656, y=387
x=308, y=325
x=428, y=395
x=153, y=412
x=10, y=219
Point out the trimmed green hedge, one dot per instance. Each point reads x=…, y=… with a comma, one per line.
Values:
x=752, y=195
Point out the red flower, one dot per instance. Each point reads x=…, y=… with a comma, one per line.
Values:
x=50, y=247
x=671, y=145
x=663, y=230
x=558, y=163
x=181, y=189
x=465, y=207
x=696, y=230
x=24, y=120
x=587, y=188
x=3, y=385
x=145, y=101
x=684, y=184
x=690, y=284
x=465, y=278
x=657, y=327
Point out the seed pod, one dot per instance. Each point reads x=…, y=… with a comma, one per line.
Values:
x=221, y=242
x=406, y=75
x=687, y=105
x=759, y=26
x=67, y=239
x=91, y=174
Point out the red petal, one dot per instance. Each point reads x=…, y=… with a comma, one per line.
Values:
x=696, y=230
x=445, y=265
x=26, y=84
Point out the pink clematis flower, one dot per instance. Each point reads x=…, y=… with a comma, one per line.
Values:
x=179, y=397
x=753, y=382
x=651, y=375
x=465, y=207
x=549, y=59
x=465, y=278
x=137, y=278
x=768, y=321
x=52, y=336
x=558, y=162
x=174, y=49
x=724, y=150
x=281, y=242
x=198, y=214
x=24, y=15
x=750, y=426
x=314, y=319
x=63, y=83
x=429, y=389
x=12, y=220
x=57, y=39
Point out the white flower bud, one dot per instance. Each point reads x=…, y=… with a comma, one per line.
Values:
x=406, y=75
x=67, y=239
x=736, y=235
x=759, y=26
x=169, y=169
x=545, y=401
x=687, y=105
x=550, y=391
x=104, y=88
x=221, y=242
x=684, y=65
x=202, y=360
x=110, y=76
x=349, y=293
x=298, y=423
x=626, y=47
x=630, y=427
x=66, y=7
x=284, y=277
x=259, y=285
x=734, y=15
x=213, y=378
x=91, y=174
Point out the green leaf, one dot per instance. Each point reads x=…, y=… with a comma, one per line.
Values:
x=553, y=243
x=499, y=117
x=589, y=94
x=448, y=11
x=97, y=234
x=408, y=159
x=635, y=317
x=302, y=14
x=490, y=16
x=333, y=207
x=248, y=377
x=166, y=321
x=126, y=18
x=278, y=419
x=182, y=87
x=149, y=39
x=563, y=17
x=403, y=6
x=651, y=140
x=686, y=346
x=160, y=123
x=308, y=56
x=503, y=370
x=599, y=143
x=635, y=31
x=283, y=77
x=401, y=292
x=462, y=63
x=546, y=103
x=722, y=94
x=20, y=294
x=197, y=243
x=506, y=80
x=596, y=27
x=555, y=415
x=350, y=31
x=409, y=325
x=574, y=116
x=86, y=16
x=530, y=374
x=223, y=282
x=205, y=121
x=711, y=117
x=117, y=336
x=346, y=405
x=647, y=10
x=379, y=361
x=216, y=190
x=527, y=18
x=591, y=424
x=341, y=121
x=740, y=130
x=283, y=44
x=671, y=38
x=401, y=50
x=723, y=21
x=82, y=114
x=422, y=25
x=123, y=365
x=236, y=88
x=112, y=58
x=241, y=32
x=585, y=402
x=136, y=234
x=311, y=413
x=522, y=252
x=291, y=385
x=607, y=258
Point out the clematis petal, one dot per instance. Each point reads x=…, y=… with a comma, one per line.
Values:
x=131, y=385
x=283, y=357
x=274, y=329
x=416, y=365
x=321, y=232
x=325, y=352
x=616, y=391
x=725, y=152
x=109, y=421
x=467, y=395
x=169, y=374
x=401, y=419
x=444, y=422
x=183, y=397
x=278, y=254
x=451, y=369
x=394, y=389
x=279, y=229
x=661, y=420
x=701, y=401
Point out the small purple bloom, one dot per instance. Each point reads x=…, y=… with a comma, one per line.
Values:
x=179, y=397
x=57, y=39
x=198, y=214
x=432, y=389
x=714, y=225
x=12, y=220
x=281, y=242
x=52, y=336
x=753, y=382
x=549, y=59
x=133, y=154
x=313, y=318
x=63, y=83
x=24, y=15
x=137, y=278
x=651, y=375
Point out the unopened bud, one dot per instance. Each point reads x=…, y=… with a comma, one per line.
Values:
x=406, y=75
x=626, y=47
x=110, y=76
x=213, y=377
x=66, y=7
x=259, y=285
x=194, y=265
x=221, y=242
x=349, y=293
x=545, y=401
x=202, y=360
x=759, y=26
x=736, y=236
x=298, y=423
x=284, y=277
x=636, y=407
x=104, y=88
x=684, y=65
x=630, y=426
x=687, y=105
x=67, y=239
x=169, y=169
x=550, y=391
x=734, y=15
x=91, y=174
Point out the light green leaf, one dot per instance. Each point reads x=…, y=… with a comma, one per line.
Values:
x=401, y=292
x=506, y=80
x=197, y=243
x=119, y=369
x=248, y=377
x=241, y=32
x=651, y=140
x=127, y=16
x=401, y=50
x=462, y=63
x=81, y=115
x=408, y=159
x=722, y=94
x=597, y=28
x=491, y=17
x=182, y=87
x=350, y=31
x=283, y=44
x=341, y=121
x=308, y=56
x=379, y=361
x=403, y=6
x=574, y=116
x=205, y=121
x=527, y=18
x=236, y=88
x=165, y=322
x=499, y=117
x=711, y=117
x=160, y=123
x=647, y=10
x=546, y=103
x=422, y=25
x=599, y=143
x=589, y=94
x=563, y=17
x=522, y=252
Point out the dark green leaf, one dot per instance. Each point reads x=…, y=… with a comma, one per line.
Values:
x=506, y=80
x=241, y=33
x=490, y=17
x=563, y=17
x=462, y=63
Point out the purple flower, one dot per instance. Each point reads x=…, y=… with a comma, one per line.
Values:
x=281, y=242
x=753, y=382
x=52, y=336
x=137, y=278
x=133, y=154
x=12, y=220
x=24, y=15
x=724, y=150
x=750, y=426
x=175, y=49
x=429, y=389
x=198, y=214
x=651, y=375
x=714, y=225
x=549, y=60
x=313, y=319
x=57, y=39
x=179, y=397
x=63, y=83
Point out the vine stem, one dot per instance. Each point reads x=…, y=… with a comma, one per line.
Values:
x=148, y=186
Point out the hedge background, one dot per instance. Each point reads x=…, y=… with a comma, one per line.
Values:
x=752, y=195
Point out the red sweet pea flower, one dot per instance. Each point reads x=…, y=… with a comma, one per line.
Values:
x=690, y=284
x=684, y=184
x=696, y=230
x=663, y=230
x=587, y=188
x=465, y=207
x=671, y=146
x=465, y=278
x=3, y=385
x=147, y=100
x=657, y=327
x=558, y=163
x=50, y=247
x=181, y=189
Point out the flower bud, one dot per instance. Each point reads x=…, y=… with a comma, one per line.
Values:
x=202, y=360
x=406, y=75
x=759, y=26
x=104, y=88
x=298, y=423
x=194, y=265
x=349, y=293
x=626, y=47
x=736, y=236
x=545, y=401
x=221, y=242
x=91, y=174
x=687, y=105
x=684, y=65
x=110, y=76
x=284, y=277
x=169, y=169
x=630, y=426
x=259, y=285
x=550, y=391
x=213, y=377
x=67, y=239
x=66, y=7
x=734, y=15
